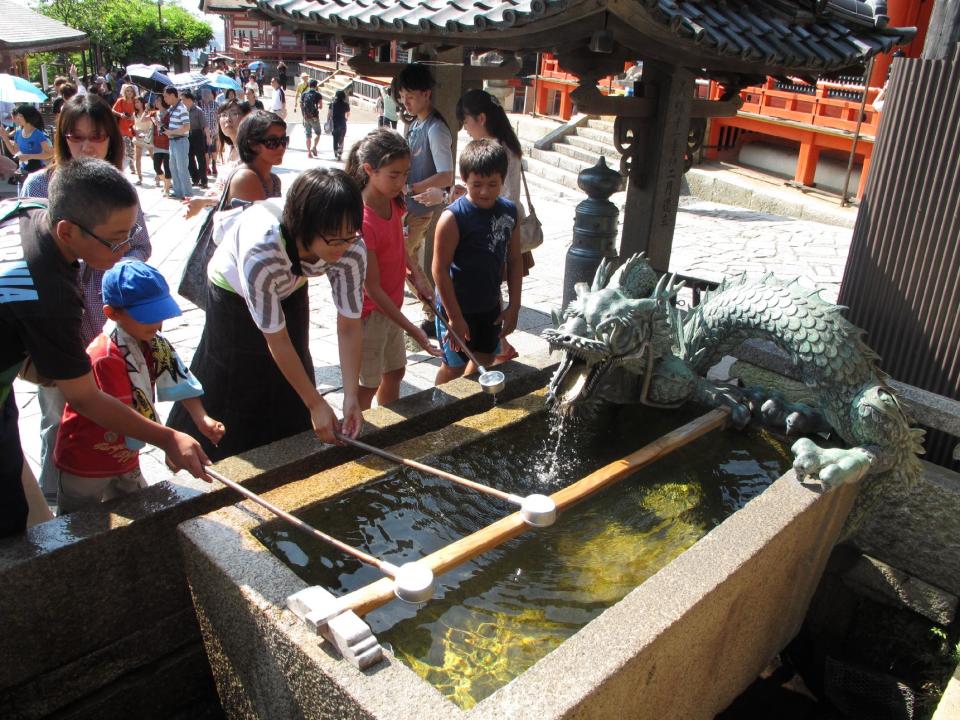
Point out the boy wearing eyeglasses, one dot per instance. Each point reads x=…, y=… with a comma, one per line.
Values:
x=89, y=216
x=135, y=364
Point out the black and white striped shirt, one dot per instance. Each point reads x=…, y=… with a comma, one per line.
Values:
x=251, y=261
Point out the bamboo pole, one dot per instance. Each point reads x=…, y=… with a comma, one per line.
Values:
x=380, y=592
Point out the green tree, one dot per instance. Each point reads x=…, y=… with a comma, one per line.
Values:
x=125, y=31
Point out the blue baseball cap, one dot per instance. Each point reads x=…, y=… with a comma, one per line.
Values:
x=139, y=289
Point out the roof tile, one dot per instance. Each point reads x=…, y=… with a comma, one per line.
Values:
x=781, y=34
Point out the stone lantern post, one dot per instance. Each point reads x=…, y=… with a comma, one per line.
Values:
x=594, y=227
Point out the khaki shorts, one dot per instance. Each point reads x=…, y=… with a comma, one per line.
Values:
x=383, y=349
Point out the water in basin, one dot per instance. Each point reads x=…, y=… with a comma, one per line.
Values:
x=495, y=616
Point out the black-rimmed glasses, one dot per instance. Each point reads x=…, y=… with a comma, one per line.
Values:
x=340, y=242
x=114, y=247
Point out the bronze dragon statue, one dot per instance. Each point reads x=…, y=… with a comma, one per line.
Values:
x=624, y=339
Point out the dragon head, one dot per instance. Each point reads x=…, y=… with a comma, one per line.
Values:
x=611, y=324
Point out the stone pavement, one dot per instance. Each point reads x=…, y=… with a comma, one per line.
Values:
x=711, y=240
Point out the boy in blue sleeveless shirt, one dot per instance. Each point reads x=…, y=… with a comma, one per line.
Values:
x=476, y=235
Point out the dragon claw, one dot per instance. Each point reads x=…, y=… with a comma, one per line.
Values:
x=833, y=466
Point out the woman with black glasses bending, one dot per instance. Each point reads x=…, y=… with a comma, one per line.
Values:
x=253, y=358
x=87, y=128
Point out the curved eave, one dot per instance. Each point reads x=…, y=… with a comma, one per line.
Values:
x=447, y=27
x=46, y=45
x=751, y=46
x=703, y=48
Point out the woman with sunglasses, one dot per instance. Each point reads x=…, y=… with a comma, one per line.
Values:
x=87, y=128
x=253, y=358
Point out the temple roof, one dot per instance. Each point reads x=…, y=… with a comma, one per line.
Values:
x=749, y=36
x=23, y=30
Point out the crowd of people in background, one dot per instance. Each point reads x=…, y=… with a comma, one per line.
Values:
x=251, y=380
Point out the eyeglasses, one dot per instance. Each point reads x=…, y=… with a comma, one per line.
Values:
x=340, y=242
x=274, y=142
x=96, y=139
x=114, y=247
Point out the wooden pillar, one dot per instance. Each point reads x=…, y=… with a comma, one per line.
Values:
x=653, y=190
x=807, y=160
x=566, y=104
x=864, y=174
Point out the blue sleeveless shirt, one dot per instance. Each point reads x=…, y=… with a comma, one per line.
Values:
x=477, y=267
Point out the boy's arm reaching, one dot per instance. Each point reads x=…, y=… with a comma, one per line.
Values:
x=444, y=246
x=108, y=412
x=374, y=289
x=514, y=284
x=212, y=429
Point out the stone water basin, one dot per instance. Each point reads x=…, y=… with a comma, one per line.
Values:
x=495, y=616
x=662, y=596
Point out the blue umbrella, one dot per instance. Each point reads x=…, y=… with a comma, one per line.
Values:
x=223, y=82
x=151, y=77
x=257, y=64
x=15, y=89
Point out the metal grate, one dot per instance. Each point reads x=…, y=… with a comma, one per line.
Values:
x=902, y=280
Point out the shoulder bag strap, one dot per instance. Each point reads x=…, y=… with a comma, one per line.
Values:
x=222, y=205
x=526, y=189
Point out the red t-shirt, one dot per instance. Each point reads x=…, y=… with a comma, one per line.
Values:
x=384, y=238
x=83, y=447
x=126, y=124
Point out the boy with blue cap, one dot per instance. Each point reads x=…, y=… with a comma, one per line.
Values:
x=135, y=364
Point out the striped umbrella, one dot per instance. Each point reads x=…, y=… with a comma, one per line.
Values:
x=189, y=80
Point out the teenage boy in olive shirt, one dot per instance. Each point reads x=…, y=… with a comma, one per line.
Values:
x=90, y=215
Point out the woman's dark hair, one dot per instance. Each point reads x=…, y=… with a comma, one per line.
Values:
x=253, y=129
x=321, y=202
x=225, y=107
x=103, y=119
x=228, y=96
x=479, y=102
x=484, y=158
x=30, y=114
x=380, y=147
x=340, y=95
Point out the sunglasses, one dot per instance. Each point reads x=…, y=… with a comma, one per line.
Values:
x=340, y=242
x=114, y=247
x=274, y=142
x=96, y=139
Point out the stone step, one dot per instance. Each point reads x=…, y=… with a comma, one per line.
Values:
x=599, y=124
x=560, y=160
x=550, y=172
x=604, y=137
x=577, y=153
x=555, y=191
x=594, y=146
